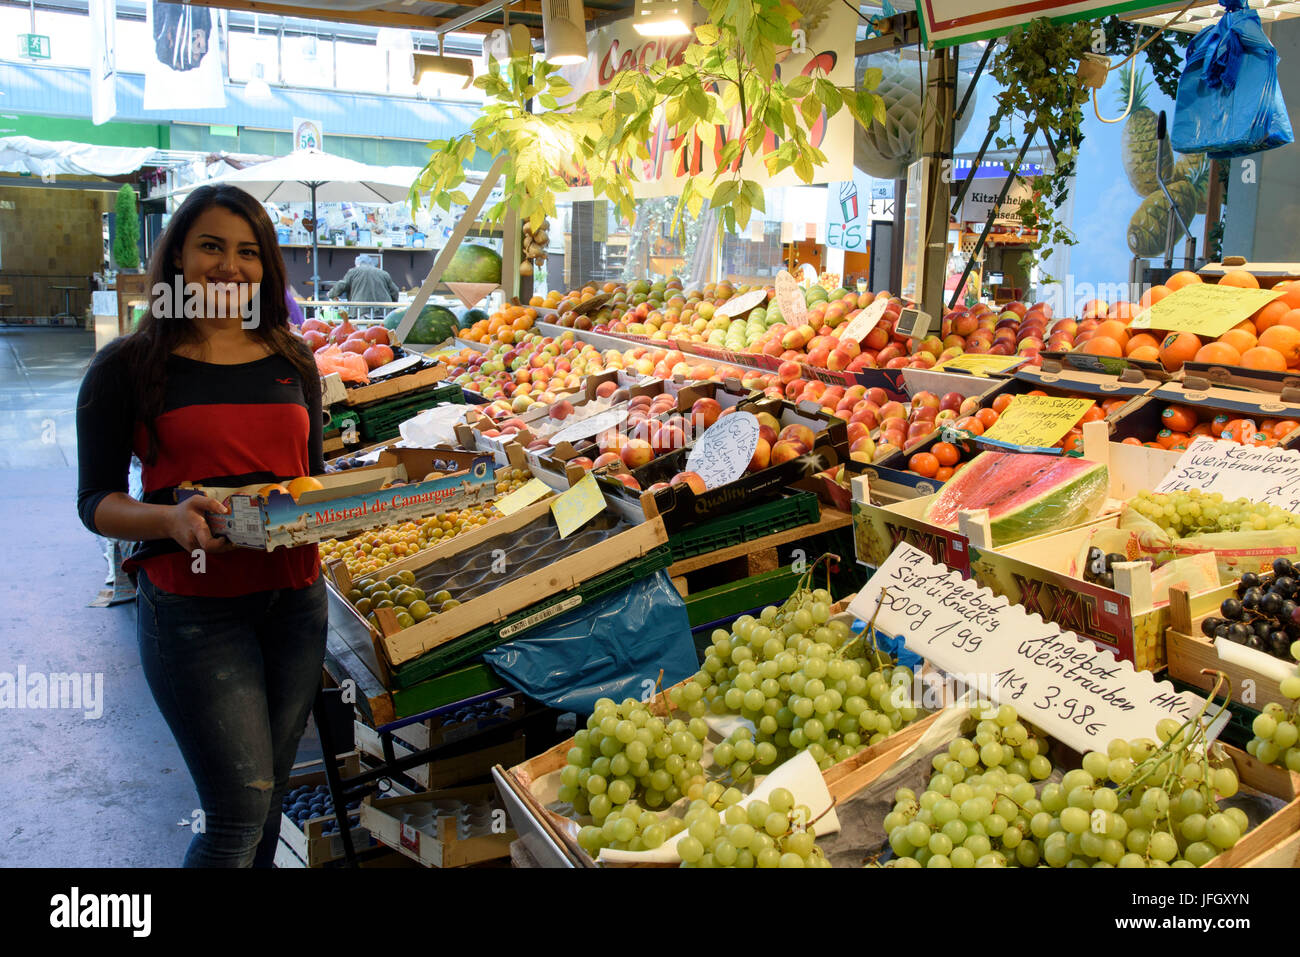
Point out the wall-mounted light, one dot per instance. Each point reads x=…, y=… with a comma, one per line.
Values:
x=662, y=18
x=564, y=32
x=430, y=70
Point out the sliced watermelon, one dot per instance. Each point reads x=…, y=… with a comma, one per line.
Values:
x=1026, y=494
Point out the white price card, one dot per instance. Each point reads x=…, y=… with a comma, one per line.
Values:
x=1078, y=693
x=865, y=321
x=592, y=425
x=794, y=305
x=1237, y=471
x=725, y=449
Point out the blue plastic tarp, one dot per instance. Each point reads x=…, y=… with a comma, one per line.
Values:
x=610, y=648
x=1229, y=101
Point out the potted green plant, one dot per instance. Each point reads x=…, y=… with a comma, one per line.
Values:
x=126, y=230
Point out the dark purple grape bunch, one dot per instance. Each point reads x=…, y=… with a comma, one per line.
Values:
x=1265, y=615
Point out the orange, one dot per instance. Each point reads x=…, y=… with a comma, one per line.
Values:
x=946, y=453
x=1179, y=418
x=1247, y=326
x=302, y=484
x=1132, y=441
x=1001, y=402
x=1291, y=297
x=1167, y=438
x=1103, y=346
x=1218, y=352
x=1145, y=354
x=1073, y=441
x=943, y=474
x=266, y=490
x=1262, y=357
x=1239, y=339
x=923, y=464
x=1285, y=338
x=1139, y=340
x=1123, y=312
x=1178, y=347
x=1110, y=405
x=1291, y=318
x=986, y=418
x=1180, y=279
x=1153, y=296
x=1271, y=314
x=1284, y=428
x=1239, y=278
x=1092, y=415
x=1113, y=329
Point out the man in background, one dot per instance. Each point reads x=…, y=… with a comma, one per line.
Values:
x=365, y=282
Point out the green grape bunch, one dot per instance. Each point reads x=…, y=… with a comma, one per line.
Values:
x=1276, y=729
x=1139, y=803
x=1193, y=512
x=761, y=834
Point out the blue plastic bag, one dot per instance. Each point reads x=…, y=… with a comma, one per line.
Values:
x=1229, y=101
x=897, y=647
x=611, y=648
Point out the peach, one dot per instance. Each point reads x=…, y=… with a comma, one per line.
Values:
x=606, y=458
x=798, y=433
x=707, y=411
x=762, y=456
x=562, y=409
x=692, y=480
x=636, y=453
x=786, y=450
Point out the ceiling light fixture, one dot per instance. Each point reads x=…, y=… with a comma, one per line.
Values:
x=564, y=32
x=435, y=69
x=661, y=18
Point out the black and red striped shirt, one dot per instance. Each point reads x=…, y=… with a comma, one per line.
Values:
x=221, y=425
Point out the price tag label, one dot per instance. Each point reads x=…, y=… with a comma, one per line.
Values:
x=1237, y=471
x=725, y=449
x=980, y=364
x=1204, y=309
x=522, y=497
x=592, y=425
x=794, y=307
x=579, y=505
x=739, y=305
x=866, y=320
x=1037, y=420
x=1078, y=693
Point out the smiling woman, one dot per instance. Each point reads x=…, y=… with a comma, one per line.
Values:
x=213, y=389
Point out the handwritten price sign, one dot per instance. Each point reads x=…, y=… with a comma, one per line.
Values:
x=1079, y=694
x=725, y=449
x=1037, y=420
x=522, y=497
x=980, y=364
x=866, y=320
x=1204, y=309
x=579, y=505
x=1237, y=471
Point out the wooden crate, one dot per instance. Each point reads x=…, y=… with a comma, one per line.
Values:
x=445, y=772
x=406, y=644
x=396, y=385
x=308, y=843
x=446, y=849
x=1190, y=651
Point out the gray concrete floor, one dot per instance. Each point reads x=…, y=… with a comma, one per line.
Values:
x=74, y=792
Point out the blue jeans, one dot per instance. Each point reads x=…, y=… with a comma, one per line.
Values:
x=235, y=679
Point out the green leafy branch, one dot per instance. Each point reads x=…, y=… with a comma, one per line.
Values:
x=726, y=78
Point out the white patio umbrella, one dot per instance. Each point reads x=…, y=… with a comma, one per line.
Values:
x=309, y=175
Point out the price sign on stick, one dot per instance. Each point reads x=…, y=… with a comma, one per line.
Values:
x=579, y=505
x=739, y=305
x=1237, y=471
x=794, y=307
x=592, y=425
x=1076, y=692
x=522, y=497
x=1037, y=420
x=1204, y=309
x=725, y=449
x=866, y=320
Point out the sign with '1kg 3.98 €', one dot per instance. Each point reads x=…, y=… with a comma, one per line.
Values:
x=1076, y=692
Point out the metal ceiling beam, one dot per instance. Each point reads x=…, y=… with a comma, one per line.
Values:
x=381, y=18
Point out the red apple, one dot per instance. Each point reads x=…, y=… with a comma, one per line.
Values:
x=582, y=462
x=951, y=400
x=798, y=433
x=926, y=400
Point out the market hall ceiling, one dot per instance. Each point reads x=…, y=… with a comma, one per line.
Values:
x=413, y=14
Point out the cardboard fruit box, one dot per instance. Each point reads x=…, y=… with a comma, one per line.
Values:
x=354, y=500
x=878, y=527
x=619, y=545
x=419, y=377
x=1143, y=420
x=309, y=843
x=440, y=844
x=1266, y=842
x=1255, y=676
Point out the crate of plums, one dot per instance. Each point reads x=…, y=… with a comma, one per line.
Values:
x=308, y=826
x=1249, y=630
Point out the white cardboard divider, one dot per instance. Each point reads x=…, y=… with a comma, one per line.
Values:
x=1076, y=692
x=1237, y=471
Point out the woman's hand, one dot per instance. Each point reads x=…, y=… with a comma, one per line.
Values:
x=188, y=525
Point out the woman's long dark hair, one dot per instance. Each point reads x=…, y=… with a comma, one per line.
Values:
x=164, y=326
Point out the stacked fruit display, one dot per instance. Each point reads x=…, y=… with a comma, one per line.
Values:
x=803, y=681
x=399, y=592
x=1181, y=424
x=1018, y=330
x=531, y=372
x=370, y=551
x=1138, y=803
x=374, y=343
x=1269, y=340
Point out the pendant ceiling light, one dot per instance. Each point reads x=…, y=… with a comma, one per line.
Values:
x=661, y=18
x=564, y=31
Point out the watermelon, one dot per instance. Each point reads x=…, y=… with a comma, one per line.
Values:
x=436, y=324
x=1025, y=493
x=471, y=316
x=473, y=263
